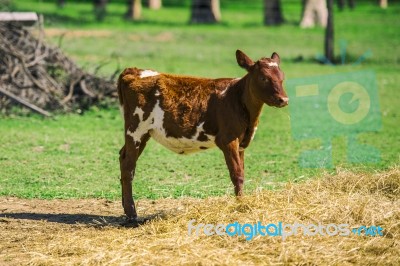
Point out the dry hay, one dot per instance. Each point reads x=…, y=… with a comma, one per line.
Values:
x=42, y=78
x=39, y=232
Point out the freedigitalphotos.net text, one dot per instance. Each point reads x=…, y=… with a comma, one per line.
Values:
x=283, y=230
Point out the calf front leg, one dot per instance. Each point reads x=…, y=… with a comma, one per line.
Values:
x=235, y=162
x=247, y=139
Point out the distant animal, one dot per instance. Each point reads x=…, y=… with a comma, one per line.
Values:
x=189, y=114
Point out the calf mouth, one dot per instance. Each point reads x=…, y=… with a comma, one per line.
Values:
x=278, y=102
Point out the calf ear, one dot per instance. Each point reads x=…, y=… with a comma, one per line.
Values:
x=243, y=60
x=276, y=58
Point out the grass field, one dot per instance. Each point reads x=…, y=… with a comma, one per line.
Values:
x=77, y=155
x=59, y=177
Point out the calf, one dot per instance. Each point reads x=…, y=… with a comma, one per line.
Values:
x=189, y=114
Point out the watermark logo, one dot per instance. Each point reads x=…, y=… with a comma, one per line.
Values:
x=280, y=229
x=325, y=107
x=343, y=53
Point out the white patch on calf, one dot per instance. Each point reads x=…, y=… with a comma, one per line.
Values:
x=223, y=93
x=254, y=133
x=139, y=112
x=141, y=129
x=135, y=137
x=178, y=145
x=272, y=64
x=148, y=73
x=154, y=125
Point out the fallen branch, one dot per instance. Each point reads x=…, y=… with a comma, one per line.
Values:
x=24, y=103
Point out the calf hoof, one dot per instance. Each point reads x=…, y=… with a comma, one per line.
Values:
x=131, y=222
x=135, y=222
x=129, y=210
x=238, y=192
x=239, y=199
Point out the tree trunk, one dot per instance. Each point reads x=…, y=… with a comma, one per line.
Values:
x=383, y=4
x=134, y=10
x=61, y=3
x=154, y=4
x=315, y=12
x=342, y=3
x=205, y=11
x=329, y=34
x=272, y=12
x=303, y=7
x=352, y=4
x=100, y=9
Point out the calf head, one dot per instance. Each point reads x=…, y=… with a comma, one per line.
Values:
x=265, y=79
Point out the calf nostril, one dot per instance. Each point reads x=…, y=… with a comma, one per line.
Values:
x=283, y=100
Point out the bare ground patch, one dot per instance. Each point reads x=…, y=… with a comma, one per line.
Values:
x=88, y=231
x=165, y=36
x=55, y=32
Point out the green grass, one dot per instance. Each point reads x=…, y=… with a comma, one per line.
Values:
x=77, y=155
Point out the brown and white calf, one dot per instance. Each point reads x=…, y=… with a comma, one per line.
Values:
x=189, y=114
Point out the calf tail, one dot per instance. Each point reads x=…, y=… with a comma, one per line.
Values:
x=119, y=89
x=120, y=86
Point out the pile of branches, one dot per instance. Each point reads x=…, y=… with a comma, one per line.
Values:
x=41, y=78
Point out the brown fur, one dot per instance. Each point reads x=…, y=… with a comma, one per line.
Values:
x=228, y=109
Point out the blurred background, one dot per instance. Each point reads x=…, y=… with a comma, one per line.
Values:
x=195, y=36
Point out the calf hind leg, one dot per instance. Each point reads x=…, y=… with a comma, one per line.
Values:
x=129, y=154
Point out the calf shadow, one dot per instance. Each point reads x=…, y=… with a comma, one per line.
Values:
x=85, y=219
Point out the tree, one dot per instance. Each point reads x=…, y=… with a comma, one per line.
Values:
x=154, y=4
x=100, y=9
x=60, y=3
x=314, y=12
x=134, y=10
x=272, y=12
x=329, y=34
x=341, y=4
x=205, y=11
x=383, y=3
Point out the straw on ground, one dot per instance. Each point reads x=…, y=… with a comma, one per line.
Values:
x=87, y=232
